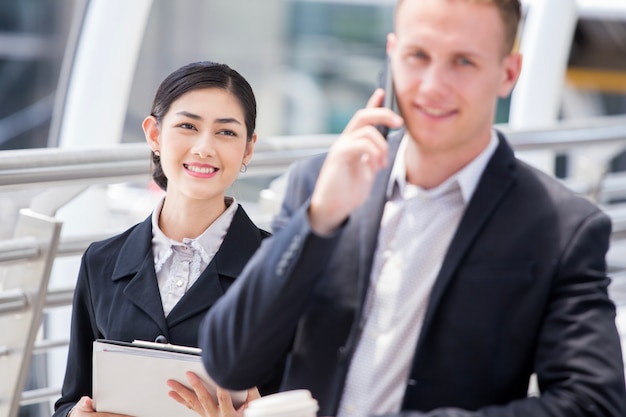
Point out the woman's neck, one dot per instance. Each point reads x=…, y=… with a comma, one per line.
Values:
x=179, y=220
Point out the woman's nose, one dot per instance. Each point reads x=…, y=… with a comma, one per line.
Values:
x=204, y=147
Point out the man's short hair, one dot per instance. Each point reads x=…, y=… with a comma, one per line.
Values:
x=510, y=12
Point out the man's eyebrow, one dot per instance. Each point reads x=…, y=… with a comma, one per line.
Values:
x=468, y=53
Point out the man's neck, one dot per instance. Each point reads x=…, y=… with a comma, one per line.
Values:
x=428, y=169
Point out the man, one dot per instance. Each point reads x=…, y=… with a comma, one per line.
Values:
x=434, y=273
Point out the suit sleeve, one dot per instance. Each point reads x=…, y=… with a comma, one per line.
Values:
x=249, y=331
x=579, y=353
x=78, y=373
x=578, y=360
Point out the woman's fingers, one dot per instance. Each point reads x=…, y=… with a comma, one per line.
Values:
x=225, y=401
x=177, y=397
x=195, y=398
x=84, y=407
x=180, y=393
x=253, y=394
x=202, y=402
x=205, y=399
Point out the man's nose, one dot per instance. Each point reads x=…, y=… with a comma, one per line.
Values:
x=434, y=79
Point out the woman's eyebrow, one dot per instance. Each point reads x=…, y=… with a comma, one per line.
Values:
x=220, y=120
x=223, y=120
x=190, y=115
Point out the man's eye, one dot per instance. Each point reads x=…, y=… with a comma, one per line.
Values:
x=464, y=61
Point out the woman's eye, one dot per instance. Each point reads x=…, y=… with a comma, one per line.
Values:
x=187, y=126
x=227, y=132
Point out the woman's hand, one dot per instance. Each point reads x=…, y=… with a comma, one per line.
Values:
x=85, y=407
x=200, y=400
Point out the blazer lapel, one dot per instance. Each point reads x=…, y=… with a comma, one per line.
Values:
x=364, y=225
x=370, y=215
x=241, y=241
x=199, y=298
x=496, y=180
x=135, y=260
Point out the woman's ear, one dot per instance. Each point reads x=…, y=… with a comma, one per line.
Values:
x=247, y=154
x=151, y=132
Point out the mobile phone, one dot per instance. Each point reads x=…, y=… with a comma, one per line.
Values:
x=385, y=81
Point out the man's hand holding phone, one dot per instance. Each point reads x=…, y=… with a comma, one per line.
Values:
x=385, y=82
x=348, y=173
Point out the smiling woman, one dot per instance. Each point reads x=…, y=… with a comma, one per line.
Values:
x=200, y=143
x=201, y=130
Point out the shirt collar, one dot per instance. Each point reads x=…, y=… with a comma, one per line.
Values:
x=206, y=244
x=467, y=178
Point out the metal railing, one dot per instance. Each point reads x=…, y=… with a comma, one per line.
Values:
x=71, y=171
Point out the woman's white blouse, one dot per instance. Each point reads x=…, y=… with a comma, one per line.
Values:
x=179, y=264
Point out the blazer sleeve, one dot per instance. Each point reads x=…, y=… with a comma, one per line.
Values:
x=78, y=373
x=579, y=354
x=250, y=329
x=578, y=359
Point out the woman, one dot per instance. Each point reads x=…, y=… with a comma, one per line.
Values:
x=156, y=280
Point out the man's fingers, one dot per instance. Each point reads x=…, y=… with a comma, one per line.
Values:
x=373, y=116
x=376, y=99
x=362, y=116
x=367, y=145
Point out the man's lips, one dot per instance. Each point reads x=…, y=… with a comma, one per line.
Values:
x=435, y=112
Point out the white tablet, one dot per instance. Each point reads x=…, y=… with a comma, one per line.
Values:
x=130, y=378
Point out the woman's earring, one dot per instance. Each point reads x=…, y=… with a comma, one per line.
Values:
x=157, y=153
x=244, y=167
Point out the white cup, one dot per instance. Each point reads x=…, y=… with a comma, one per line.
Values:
x=295, y=403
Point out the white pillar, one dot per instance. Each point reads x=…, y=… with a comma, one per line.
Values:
x=546, y=40
x=102, y=73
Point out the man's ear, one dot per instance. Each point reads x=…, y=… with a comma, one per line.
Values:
x=391, y=42
x=511, y=71
x=151, y=132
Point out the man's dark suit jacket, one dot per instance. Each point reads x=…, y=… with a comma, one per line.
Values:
x=117, y=297
x=522, y=289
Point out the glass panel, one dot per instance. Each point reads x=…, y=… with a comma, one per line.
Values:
x=32, y=39
x=311, y=63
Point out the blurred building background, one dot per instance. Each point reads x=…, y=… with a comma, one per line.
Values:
x=311, y=62
x=32, y=41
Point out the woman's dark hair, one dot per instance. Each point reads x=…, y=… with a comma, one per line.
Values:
x=194, y=76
